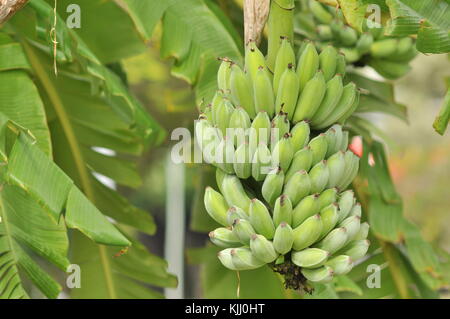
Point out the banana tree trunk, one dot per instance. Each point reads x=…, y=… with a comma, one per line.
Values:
x=9, y=7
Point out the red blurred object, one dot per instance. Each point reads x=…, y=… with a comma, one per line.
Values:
x=356, y=146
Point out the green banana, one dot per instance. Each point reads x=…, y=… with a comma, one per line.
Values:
x=298, y=186
x=263, y=92
x=356, y=210
x=363, y=232
x=261, y=162
x=279, y=127
x=302, y=160
x=225, y=258
x=352, y=225
x=286, y=100
x=328, y=62
x=319, y=147
x=324, y=32
x=241, y=90
x=346, y=202
x=364, y=43
x=346, y=102
x=285, y=59
x=327, y=197
x=351, y=169
x=234, y=192
x=243, y=230
x=282, y=211
x=310, y=98
x=336, y=168
x=307, y=233
x=260, y=130
x=329, y=217
x=348, y=36
x=283, y=238
x=273, y=185
x=242, y=161
x=319, y=176
x=351, y=55
x=308, y=65
x=335, y=139
x=300, y=135
x=283, y=152
x=254, y=59
x=322, y=274
x=224, y=112
x=243, y=259
x=383, y=48
x=223, y=75
x=224, y=237
x=262, y=249
x=341, y=64
x=332, y=96
x=239, y=119
x=260, y=219
x=216, y=206
x=320, y=12
x=356, y=249
x=234, y=213
x=334, y=240
x=310, y=257
x=341, y=264
x=390, y=69
x=307, y=207
x=224, y=156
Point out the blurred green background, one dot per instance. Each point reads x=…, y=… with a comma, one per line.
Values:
x=419, y=158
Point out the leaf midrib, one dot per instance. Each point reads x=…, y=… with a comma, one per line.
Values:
x=77, y=155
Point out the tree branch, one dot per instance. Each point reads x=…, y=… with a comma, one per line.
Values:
x=9, y=7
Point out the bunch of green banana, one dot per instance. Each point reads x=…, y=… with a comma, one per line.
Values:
x=389, y=56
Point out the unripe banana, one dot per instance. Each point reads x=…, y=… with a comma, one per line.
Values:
x=310, y=98
x=216, y=206
x=341, y=264
x=239, y=119
x=220, y=175
x=308, y=65
x=234, y=213
x=307, y=207
x=324, y=32
x=346, y=102
x=332, y=96
x=287, y=93
x=390, y=69
x=322, y=274
x=241, y=90
x=310, y=257
x=356, y=210
x=260, y=219
x=348, y=36
x=263, y=92
x=223, y=75
x=383, y=48
x=242, y=161
x=263, y=249
x=298, y=186
x=283, y=238
x=319, y=147
x=346, y=202
x=283, y=152
x=253, y=59
x=352, y=109
x=279, y=127
x=351, y=55
x=273, y=185
x=341, y=64
x=319, y=176
x=260, y=130
x=327, y=197
x=352, y=225
x=356, y=249
x=336, y=168
x=344, y=142
x=243, y=230
x=300, y=135
x=320, y=12
x=225, y=155
x=364, y=43
x=307, y=233
x=404, y=46
x=224, y=237
x=285, y=57
x=225, y=258
x=329, y=217
x=243, y=259
x=282, y=211
x=261, y=162
x=351, y=169
x=335, y=140
x=363, y=232
x=224, y=112
x=335, y=240
x=328, y=62
x=234, y=192
x=302, y=161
